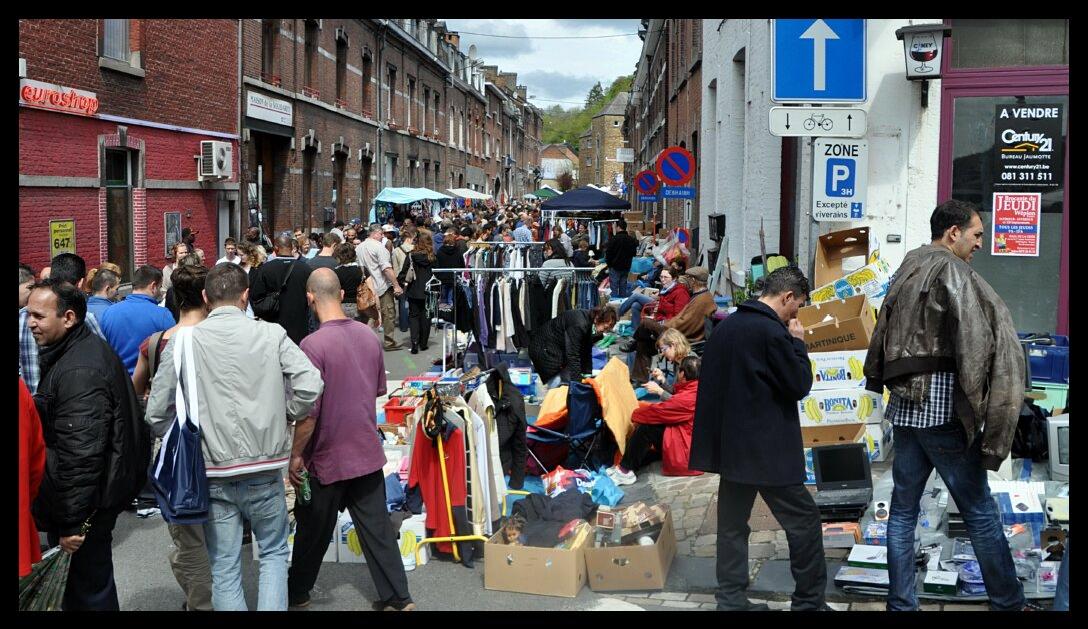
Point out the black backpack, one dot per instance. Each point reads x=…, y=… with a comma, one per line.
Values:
x=268, y=308
x=1030, y=440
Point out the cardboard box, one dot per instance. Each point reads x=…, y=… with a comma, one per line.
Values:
x=1020, y=507
x=331, y=553
x=840, y=406
x=1047, y=576
x=841, y=534
x=865, y=577
x=848, y=263
x=941, y=582
x=347, y=541
x=868, y=556
x=533, y=570
x=416, y=527
x=618, y=568
x=813, y=436
x=842, y=324
x=837, y=370
x=878, y=438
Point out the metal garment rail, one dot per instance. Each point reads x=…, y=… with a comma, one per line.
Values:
x=554, y=269
x=503, y=242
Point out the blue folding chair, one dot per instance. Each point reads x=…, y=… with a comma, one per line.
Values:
x=583, y=425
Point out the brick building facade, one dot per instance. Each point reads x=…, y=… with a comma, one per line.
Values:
x=597, y=151
x=665, y=109
x=112, y=117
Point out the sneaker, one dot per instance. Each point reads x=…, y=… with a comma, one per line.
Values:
x=621, y=478
x=390, y=606
x=627, y=347
x=748, y=607
x=301, y=600
x=393, y=348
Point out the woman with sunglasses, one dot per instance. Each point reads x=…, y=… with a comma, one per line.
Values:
x=674, y=346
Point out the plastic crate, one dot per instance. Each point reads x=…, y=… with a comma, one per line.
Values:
x=397, y=409
x=1049, y=362
x=1056, y=394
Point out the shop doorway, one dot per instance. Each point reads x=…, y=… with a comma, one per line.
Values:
x=119, y=169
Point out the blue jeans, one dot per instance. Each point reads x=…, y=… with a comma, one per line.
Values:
x=618, y=281
x=635, y=303
x=402, y=312
x=1061, y=596
x=258, y=498
x=917, y=452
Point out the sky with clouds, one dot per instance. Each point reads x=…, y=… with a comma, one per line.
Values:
x=554, y=69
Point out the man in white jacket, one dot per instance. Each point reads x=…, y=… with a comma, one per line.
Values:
x=251, y=381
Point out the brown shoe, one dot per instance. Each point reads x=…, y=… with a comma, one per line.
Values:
x=400, y=607
x=394, y=347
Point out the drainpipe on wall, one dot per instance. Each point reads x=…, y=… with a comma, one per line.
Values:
x=380, y=156
x=238, y=103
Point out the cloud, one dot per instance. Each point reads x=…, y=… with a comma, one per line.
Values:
x=620, y=26
x=557, y=84
x=497, y=48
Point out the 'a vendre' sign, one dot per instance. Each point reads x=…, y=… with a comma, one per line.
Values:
x=57, y=98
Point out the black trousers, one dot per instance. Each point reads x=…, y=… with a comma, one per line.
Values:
x=418, y=322
x=796, y=511
x=513, y=447
x=364, y=498
x=90, y=584
x=639, y=443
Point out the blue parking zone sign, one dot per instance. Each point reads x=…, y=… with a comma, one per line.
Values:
x=840, y=177
x=818, y=61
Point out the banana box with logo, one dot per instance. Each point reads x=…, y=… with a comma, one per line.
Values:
x=848, y=263
x=837, y=370
x=412, y=530
x=878, y=439
x=841, y=406
x=349, y=545
x=838, y=325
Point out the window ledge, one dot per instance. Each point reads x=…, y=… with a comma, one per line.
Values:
x=120, y=66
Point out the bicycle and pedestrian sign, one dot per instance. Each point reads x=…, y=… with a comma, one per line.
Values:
x=832, y=122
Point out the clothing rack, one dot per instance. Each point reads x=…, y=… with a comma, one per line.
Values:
x=503, y=242
x=556, y=269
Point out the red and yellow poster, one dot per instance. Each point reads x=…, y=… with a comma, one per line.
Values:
x=1016, y=223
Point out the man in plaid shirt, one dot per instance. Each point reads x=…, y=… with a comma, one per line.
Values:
x=946, y=347
x=67, y=267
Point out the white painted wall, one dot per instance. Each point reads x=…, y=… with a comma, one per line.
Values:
x=742, y=169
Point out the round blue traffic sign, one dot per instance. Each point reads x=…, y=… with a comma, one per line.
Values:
x=646, y=182
x=676, y=166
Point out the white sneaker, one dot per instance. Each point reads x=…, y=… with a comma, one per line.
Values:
x=621, y=478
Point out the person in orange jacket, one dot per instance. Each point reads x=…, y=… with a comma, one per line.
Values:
x=666, y=426
x=31, y=470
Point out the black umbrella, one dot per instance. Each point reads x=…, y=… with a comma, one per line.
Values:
x=585, y=198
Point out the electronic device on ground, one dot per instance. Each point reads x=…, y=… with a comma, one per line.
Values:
x=844, y=482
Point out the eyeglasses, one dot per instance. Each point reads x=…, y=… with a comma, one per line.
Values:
x=665, y=347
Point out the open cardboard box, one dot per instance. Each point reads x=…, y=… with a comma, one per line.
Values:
x=618, y=568
x=848, y=326
x=847, y=264
x=534, y=570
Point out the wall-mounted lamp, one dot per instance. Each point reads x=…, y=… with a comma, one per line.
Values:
x=922, y=47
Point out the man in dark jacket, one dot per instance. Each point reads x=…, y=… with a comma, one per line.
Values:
x=946, y=347
x=619, y=253
x=755, y=370
x=294, y=314
x=97, y=445
x=562, y=350
x=451, y=255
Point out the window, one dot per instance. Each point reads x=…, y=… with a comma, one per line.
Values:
x=115, y=35
x=487, y=145
x=390, y=169
x=452, y=131
x=309, y=157
x=437, y=108
x=118, y=169
x=426, y=105
x=998, y=43
x=368, y=90
x=341, y=71
x=311, y=56
x=269, y=33
x=461, y=130
x=390, y=102
x=340, y=161
x=589, y=161
x=411, y=100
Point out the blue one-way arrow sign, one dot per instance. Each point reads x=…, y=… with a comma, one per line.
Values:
x=818, y=61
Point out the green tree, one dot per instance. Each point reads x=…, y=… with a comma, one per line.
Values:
x=595, y=96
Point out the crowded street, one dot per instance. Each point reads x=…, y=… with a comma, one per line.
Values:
x=544, y=315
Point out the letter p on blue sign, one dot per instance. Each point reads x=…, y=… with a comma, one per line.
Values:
x=839, y=181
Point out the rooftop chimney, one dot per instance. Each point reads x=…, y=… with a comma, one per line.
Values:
x=454, y=39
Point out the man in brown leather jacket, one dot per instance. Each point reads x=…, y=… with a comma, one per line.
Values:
x=946, y=347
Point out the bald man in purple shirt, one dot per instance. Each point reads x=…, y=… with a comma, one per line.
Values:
x=339, y=446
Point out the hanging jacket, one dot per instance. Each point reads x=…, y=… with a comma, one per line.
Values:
x=564, y=346
x=677, y=414
x=510, y=423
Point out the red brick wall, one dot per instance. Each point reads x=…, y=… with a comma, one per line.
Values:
x=38, y=206
x=191, y=69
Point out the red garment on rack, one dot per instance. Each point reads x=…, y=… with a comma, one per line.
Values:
x=427, y=473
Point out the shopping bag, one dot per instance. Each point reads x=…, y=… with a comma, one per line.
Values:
x=43, y=589
x=179, y=477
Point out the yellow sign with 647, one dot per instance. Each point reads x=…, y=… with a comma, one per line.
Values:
x=62, y=237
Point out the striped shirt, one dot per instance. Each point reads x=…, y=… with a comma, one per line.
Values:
x=29, y=369
x=934, y=411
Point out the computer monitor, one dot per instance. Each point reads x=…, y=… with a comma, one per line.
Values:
x=1057, y=432
x=842, y=466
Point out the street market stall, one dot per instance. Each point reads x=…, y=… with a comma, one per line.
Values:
x=389, y=199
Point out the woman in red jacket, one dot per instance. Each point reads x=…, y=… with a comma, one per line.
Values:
x=671, y=300
x=31, y=469
x=665, y=426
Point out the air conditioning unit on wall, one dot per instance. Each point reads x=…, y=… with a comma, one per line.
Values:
x=215, y=160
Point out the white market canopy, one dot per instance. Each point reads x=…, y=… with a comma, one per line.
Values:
x=408, y=195
x=465, y=193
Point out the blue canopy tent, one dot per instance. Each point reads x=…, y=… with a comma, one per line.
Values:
x=586, y=199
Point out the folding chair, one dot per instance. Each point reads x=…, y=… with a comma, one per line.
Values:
x=583, y=425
